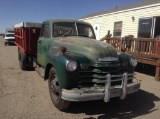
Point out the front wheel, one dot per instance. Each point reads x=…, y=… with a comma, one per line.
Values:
x=55, y=91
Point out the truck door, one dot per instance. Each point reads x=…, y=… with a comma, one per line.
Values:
x=44, y=42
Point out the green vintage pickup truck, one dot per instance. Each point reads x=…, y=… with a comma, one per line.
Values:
x=77, y=66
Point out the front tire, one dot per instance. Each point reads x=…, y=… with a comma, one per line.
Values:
x=55, y=91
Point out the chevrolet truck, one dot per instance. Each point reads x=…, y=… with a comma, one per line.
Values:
x=77, y=66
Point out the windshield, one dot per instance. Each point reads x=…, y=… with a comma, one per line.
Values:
x=72, y=29
x=9, y=35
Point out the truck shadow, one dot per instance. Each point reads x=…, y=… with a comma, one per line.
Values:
x=146, y=69
x=134, y=105
x=12, y=45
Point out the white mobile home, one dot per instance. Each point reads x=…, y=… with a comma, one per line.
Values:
x=140, y=20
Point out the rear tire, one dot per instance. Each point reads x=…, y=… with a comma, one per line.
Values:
x=55, y=91
x=22, y=60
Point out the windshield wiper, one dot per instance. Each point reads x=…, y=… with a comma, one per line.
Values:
x=67, y=33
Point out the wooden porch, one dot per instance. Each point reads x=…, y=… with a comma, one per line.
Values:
x=146, y=50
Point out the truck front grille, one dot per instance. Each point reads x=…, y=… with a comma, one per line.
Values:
x=10, y=39
x=92, y=75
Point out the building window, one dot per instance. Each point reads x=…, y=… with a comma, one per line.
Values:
x=117, y=28
x=145, y=28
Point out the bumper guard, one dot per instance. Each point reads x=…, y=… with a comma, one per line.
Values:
x=107, y=92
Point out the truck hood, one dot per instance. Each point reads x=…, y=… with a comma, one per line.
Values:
x=91, y=48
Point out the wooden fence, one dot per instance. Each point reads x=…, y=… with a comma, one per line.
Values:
x=146, y=50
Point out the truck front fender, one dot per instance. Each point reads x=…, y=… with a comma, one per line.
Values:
x=58, y=60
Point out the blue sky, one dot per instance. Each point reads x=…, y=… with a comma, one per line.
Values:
x=15, y=11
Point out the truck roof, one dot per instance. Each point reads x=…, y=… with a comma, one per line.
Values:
x=38, y=25
x=9, y=33
x=65, y=20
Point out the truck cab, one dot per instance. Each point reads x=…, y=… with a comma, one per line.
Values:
x=9, y=38
x=77, y=66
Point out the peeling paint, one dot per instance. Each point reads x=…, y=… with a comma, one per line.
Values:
x=54, y=53
x=91, y=48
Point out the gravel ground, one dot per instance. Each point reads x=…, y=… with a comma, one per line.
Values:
x=24, y=95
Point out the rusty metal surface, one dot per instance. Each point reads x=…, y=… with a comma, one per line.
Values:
x=91, y=48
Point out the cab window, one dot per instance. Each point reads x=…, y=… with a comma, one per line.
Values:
x=45, y=31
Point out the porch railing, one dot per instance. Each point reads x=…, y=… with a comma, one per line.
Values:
x=146, y=50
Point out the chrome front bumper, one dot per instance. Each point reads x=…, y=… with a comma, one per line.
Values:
x=107, y=92
x=8, y=41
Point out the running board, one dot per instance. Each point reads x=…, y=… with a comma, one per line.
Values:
x=40, y=71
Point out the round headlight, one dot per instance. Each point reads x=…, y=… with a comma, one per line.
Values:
x=133, y=62
x=71, y=65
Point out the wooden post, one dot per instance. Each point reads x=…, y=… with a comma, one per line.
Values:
x=157, y=70
x=158, y=61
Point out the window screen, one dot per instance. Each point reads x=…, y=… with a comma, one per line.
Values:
x=117, y=28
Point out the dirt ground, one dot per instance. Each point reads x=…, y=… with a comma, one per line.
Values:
x=24, y=95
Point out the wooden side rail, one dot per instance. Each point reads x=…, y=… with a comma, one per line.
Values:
x=146, y=50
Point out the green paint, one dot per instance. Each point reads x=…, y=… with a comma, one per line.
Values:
x=85, y=50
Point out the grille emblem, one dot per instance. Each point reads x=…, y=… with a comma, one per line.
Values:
x=108, y=59
x=83, y=66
